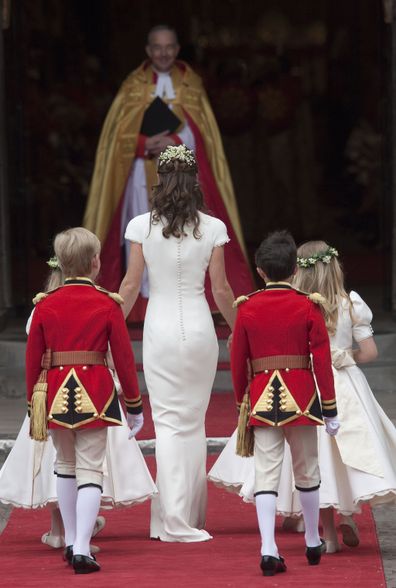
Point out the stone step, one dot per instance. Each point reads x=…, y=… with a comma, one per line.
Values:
x=12, y=353
x=380, y=376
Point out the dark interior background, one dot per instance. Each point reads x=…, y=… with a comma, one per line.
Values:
x=298, y=89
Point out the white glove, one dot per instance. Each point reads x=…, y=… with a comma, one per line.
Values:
x=135, y=423
x=332, y=425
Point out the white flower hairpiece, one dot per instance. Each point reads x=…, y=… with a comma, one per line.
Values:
x=324, y=257
x=53, y=263
x=178, y=152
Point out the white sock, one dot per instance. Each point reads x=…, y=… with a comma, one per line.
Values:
x=266, y=511
x=88, y=503
x=66, y=489
x=310, y=507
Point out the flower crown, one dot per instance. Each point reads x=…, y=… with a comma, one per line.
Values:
x=53, y=263
x=179, y=153
x=323, y=256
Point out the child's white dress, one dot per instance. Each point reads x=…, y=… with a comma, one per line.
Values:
x=27, y=477
x=358, y=465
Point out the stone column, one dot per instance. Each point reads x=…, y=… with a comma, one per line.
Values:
x=5, y=277
x=389, y=153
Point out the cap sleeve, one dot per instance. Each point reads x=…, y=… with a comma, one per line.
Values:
x=29, y=322
x=220, y=234
x=361, y=318
x=135, y=229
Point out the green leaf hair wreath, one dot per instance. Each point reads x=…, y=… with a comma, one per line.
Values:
x=323, y=256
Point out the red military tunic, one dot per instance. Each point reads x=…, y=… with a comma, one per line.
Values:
x=281, y=321
x=80, y=316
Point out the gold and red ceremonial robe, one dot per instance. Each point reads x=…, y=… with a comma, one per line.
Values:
x=119, y=144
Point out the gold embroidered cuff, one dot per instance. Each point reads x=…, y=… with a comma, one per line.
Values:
x=134, y=406
x=328, y=402
x=133, y=403
x=330, y=406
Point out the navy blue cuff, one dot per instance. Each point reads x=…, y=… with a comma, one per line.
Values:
x=136, y=410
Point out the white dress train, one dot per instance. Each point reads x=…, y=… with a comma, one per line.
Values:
x=180, y=352
x=27, y=477
x=358, y=464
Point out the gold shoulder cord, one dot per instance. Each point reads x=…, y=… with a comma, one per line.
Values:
x=245, y=297
x=113, y=295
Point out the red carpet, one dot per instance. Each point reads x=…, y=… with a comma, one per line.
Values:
x=129, y=558
x=221, y=417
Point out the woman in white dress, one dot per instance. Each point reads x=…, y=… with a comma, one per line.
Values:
x=27, y=477
x=358, y=465
x=178, y=243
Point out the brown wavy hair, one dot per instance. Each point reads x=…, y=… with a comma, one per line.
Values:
x=177, y=198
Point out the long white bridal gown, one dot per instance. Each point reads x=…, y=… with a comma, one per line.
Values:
x=180, y=352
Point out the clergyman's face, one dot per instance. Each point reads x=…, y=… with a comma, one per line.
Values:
x=162, y=49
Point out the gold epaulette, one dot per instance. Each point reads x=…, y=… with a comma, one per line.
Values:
x=113, y=295
x=317, y=298
x=41, y=295
x=244, y=298
x=313, y=296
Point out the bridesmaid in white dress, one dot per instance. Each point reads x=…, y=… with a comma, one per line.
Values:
x=27, y=477
x=178, y=243
x=358, y=465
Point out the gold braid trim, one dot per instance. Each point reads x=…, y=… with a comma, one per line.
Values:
x=239, y=301
x=113, y=295
x=38, y=414
x=242, y=299
x=133, y=403
x=245, y=435
x=40, y=296
x=317, y=298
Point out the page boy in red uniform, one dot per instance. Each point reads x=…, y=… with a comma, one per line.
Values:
x=70, y=389
x=278, y=332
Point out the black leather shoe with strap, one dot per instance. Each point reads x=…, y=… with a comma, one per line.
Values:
x=315, y=553
x=83, y=564
x=271, y=565
x=68, y=554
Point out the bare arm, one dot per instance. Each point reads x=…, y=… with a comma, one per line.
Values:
x=130, y=285
x=221, y=290
x=367, y=351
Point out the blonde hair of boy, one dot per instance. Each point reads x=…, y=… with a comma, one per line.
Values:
x=325, y=278
x=75, y=249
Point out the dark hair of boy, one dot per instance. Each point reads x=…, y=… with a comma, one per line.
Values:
x=277, y=256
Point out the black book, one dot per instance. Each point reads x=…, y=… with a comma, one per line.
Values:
x=159, y=118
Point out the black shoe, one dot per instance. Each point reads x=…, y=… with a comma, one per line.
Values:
x=68, y=554
x=83, y=564
x=315, y=553
x=271, y=565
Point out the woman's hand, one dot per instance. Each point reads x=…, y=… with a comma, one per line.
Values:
x=130, y=285
x=221, y=290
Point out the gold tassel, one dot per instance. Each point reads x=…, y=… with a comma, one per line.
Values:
x=38, y=415
x=245, y=436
